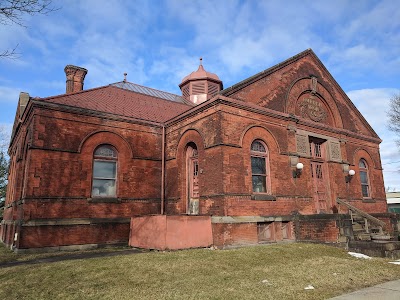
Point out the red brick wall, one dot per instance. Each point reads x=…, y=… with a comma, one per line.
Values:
x=317, y=228
x=226, y=171
x=235, y=234
x=53, y=236
x=53, y=177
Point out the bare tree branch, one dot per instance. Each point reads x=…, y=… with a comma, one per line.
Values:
x=13, y=12
x=10, y=53
x=394, y=115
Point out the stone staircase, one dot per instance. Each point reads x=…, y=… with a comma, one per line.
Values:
x=365, y=227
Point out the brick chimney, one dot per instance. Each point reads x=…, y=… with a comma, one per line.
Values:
x=75, y=77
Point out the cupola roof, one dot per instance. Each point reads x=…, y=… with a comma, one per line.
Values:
x=201, y=73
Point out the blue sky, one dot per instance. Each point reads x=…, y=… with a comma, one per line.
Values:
x=159, y=42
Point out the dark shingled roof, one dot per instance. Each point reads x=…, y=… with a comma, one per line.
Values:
x=125, y=99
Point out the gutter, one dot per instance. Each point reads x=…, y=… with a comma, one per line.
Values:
x=162, y=170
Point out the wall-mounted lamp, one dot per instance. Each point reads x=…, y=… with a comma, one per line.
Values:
x=299, y=169
x=350, y=175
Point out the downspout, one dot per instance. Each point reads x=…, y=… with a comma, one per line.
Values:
x=162, y=169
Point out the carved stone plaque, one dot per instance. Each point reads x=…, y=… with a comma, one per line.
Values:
x=302, y=146
x=334, y=151
x=313, y=108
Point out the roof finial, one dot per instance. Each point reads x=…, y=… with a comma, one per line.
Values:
x=125, y=76
x=201, y=61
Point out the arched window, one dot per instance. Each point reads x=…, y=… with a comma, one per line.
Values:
x=192, y=157
x=259, y=167
x=104, y=171
x=364, y=178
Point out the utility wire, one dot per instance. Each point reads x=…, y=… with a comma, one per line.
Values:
x=393, y=162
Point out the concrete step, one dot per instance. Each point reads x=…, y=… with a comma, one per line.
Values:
x=357, y=226
x=363, y=236
x=381, y=237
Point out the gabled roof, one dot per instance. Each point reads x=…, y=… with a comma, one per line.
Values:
x=228, y=92
x=125, y=99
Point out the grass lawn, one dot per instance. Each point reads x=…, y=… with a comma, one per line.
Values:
x=260, y=272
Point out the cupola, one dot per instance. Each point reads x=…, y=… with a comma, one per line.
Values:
x=200, y=85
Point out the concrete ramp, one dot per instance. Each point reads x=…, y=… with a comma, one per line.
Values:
x=163, y=232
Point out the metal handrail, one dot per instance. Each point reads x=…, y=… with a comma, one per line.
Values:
x=362, y=213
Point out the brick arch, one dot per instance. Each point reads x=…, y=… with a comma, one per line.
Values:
x=262, y=133
x=301, y=86
x=191, y=133
x=105, y=137
x=124, y=165
x=361, y=153
x=358, y=154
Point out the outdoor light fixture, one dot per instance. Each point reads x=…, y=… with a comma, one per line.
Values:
x=350, y=175
x=299, y=169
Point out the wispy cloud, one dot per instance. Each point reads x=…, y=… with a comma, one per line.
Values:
x=374, y=104
x=8, y=95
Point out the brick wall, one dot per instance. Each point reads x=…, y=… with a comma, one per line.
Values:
x=320, y=228
x=54, y=236
x=53, y=178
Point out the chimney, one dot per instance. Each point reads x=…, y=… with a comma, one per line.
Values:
x=75, y=77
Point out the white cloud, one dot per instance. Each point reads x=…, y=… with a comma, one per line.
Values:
x=9, y=95
x=374, y=104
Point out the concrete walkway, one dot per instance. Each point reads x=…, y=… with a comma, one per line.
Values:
x=385, y=291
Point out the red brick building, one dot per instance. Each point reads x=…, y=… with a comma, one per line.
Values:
x=268, y=159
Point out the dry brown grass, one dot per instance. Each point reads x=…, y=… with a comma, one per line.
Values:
x=201, y=274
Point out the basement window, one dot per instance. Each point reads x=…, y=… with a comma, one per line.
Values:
x=104, y=171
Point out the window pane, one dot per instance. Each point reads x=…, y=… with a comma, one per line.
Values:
x=105, y=151
x=257, y=146
x=363, y=177
x=365, y=191
x=104, y=169
x=258, y=165
x=103, y=187
x=259, y=185
x=362, y=164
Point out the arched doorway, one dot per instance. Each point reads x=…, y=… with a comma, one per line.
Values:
x=192, y=179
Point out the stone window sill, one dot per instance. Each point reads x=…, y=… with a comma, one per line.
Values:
x=104, y=200
x=368, y=200
x=263, y=197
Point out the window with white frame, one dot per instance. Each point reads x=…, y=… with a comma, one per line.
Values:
x=104, y=171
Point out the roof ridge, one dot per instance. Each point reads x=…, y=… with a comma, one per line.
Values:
x=70, y=94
